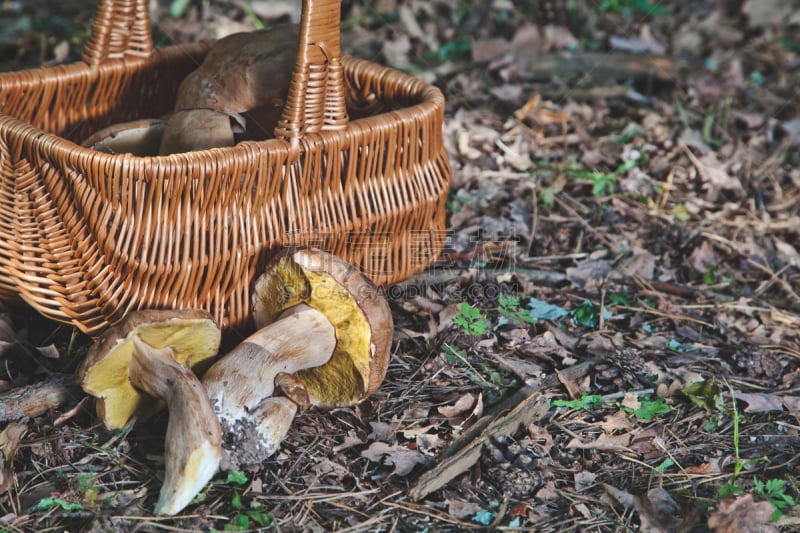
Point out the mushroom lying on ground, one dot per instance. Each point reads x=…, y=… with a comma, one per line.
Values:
x=325, y=339
x=151, y=351
x=239, y=88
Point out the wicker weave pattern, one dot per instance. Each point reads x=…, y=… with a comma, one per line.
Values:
x=86, y=237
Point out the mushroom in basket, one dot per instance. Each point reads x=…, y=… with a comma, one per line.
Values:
x=236, y=94
x=325, y=341
x=238, y=89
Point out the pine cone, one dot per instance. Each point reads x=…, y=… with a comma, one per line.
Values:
x=514, y=469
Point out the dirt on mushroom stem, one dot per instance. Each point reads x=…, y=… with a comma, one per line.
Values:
x=242, y=383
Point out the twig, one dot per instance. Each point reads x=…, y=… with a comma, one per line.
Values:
x=533, y=408
x=38, y=398
x=525, y=406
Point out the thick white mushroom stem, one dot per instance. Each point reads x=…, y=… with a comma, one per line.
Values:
x=193, y=445
x=241, y=384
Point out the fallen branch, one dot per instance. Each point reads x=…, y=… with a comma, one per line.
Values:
x=523, y=407
x=38, y=398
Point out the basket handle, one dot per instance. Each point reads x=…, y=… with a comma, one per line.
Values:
x=121, y=28
x=316, y=91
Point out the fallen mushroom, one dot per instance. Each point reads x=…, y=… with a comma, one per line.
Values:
x=238, y=89
x=147, y=357
x=325, y=339
x=241, y=384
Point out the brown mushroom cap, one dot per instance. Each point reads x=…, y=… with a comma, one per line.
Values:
x=191, y=334
x=242, y=71
x=355, y=307
x=239, y=89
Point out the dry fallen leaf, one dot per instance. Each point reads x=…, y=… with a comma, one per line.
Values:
x=10, y=439
x=711, y=467
x=6, y=479
x=350, y=440
x=542, y=440
x=658, y=512
x=631, y=401
x=643, y=444
x=714, y=176
x=403, y=459
x=427, y=443
x=328, y=468
x=618, y=421
x=584, y=510
x=590, y=274
x=640, y=263
x=382, y=431
x=703, y=257
x=467, y=407
x=548, y=492
x=760, y=402
x=742, y=515
x=605, y=443
x=584, y=480
x=762, y=13
x=462, y=510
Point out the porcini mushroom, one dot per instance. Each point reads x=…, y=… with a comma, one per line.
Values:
x=148, y=357
x=331, y=350
x=241, y=384
x=239, y=88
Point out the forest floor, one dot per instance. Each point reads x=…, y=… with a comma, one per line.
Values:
x=622, y=275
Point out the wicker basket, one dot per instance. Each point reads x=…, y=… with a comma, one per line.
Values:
x=86, y=237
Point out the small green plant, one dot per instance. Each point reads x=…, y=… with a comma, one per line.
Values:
x=87, y=486
x=547, y=197
x=585, y=402
x=665, y=465
x=45, y=504
x=673, y=345
x=710, y=275
x=541, y=310
x=178, y=7
x=680, y=212
x=459, y=48
x=649, y=408
x=706, y=395
x=244, y=519
x=731, y=489
x=471, y=320
x=588, y=314
x=236, y=477
x=453, y=355
x=622, y=298
x=456, y=356
x=713, y=280
x=603, y=183
x=774, y=491
x=508, y=307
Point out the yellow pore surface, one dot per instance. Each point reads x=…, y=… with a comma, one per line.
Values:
x=342, y=380
x=192, y=341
